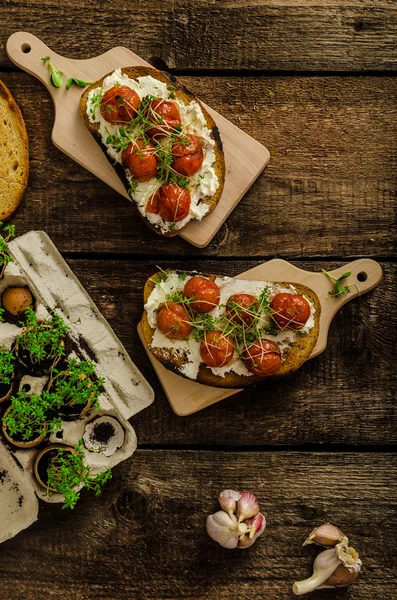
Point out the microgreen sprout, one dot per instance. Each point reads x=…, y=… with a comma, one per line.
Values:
x=79, y=82
x=67, y=471
x=7, y=360
x=28, y=417
x=5, y=256
x=340, y=290
x=55, y=75
x=42, y=340
x=76, y=385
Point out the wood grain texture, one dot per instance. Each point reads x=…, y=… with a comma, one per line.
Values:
x=329, y=189
x=344, y=396
x=145, y=537
x=281, y=34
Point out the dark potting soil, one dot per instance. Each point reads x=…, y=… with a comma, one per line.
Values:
x=4, y=389
x=3, y=475
x=43, y=464
x=102, y=432
x=20, y=500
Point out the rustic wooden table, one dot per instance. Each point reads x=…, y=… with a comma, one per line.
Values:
x=313, y=81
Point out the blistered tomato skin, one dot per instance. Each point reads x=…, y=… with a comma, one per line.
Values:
x=216, y=349
x=290, y=311
x=119, y=104
x=173, y=321
x=173, y=202
x=188, y=155
x=153, y=204
x=263, y=357
x=141, y=160
x=239, y=308
x=165, y=115
x=205, y=292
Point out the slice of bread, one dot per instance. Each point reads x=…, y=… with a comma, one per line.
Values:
x=183, y=95
x=294, y=357
x=14, y=155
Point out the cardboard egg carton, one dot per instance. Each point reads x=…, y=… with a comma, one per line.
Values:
x=39, y=266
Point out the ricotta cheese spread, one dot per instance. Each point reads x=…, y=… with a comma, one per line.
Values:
x=190, y=349
x=202, y=184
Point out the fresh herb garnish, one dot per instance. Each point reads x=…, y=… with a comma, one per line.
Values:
x=55, y=75
x=79, y=82
x=340, y=290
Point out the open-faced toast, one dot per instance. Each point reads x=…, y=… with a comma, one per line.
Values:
x=263, y=330
x=14, y=156
x=162, y=142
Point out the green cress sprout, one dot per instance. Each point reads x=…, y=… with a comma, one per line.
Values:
x=79, y=82
x=5, y=256
x=56, y=75
x=28, y=416
x=66, y=472
x=42, y=340
x=7, y=360
x=340, y=289
x=77, y=384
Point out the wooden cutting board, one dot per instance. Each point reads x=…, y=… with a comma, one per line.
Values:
x=245, y=157
x=187, y=397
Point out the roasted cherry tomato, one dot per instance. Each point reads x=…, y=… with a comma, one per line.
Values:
x=188, y=155
x=141, y=160
x=119, y=104
x=205, y=292
x=165, y=115
x=216, y=349
x=239, y=308
x=172, y=202
x=291, y=311
x=173, y=321
x=153, y=204
x=263, y=357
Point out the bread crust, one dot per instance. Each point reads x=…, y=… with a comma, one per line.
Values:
x=298, y=353
x=184, y=95
x=21, y=150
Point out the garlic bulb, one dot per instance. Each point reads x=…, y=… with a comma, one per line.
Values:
x=325, y=535
x=326, y=565
x=239, y=531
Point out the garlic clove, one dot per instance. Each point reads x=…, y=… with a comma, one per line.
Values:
x=256, y=526
x=225, y=529
x=348, y=556
x=323, y=567
x=325, y=535
x=247, y=506
x=341, y=577
x=228, y=499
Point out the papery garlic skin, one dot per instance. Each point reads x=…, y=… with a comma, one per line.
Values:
x=256, y=527
x=326, y=565
x=225, y=529
x=325, y=535
x=341, y=577
x=228, y=500
x=247, y=506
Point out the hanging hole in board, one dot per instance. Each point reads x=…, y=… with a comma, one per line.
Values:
x=26, y=48
x=362, y=276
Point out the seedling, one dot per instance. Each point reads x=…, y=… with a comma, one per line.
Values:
x=28, y=418
x=42, y=341
x=56, y=75
x=7, y=360
x=76, y=385
x=5, y=256
x=66, y=472
x=340, y=290
x=79, y=82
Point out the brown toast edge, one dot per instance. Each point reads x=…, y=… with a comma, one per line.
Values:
x=14, y=108
x=298, y=354
x=185, y=96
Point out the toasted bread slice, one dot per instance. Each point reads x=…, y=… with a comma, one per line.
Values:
x=293, y=358
x=14, y=155
x=183, y=95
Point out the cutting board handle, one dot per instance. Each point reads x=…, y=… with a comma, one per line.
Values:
x=26, y=51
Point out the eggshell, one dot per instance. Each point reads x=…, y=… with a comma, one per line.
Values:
x=16, y=300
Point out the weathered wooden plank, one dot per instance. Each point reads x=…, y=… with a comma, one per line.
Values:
x=145, y=536
x=230, y=34
x=344, y=396
x=330, y=187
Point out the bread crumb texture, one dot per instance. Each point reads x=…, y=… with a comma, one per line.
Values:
x=14, y=156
